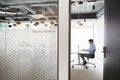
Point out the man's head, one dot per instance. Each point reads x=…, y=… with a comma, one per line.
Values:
x=90, y=41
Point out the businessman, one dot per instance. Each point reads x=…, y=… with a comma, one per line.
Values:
x=91, y=49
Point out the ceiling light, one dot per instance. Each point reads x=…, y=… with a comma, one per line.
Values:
x=52, y=22
x=14, y=25
x=42, y=21
x=81, y=2
x=73, y=3
x=36, y=23
x=10, y=26
x=93, y=7
x=18, y=22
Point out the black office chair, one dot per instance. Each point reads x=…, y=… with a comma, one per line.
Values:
x=91, y=57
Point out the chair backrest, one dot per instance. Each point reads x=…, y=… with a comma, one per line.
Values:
x=93, y=56
x=94, y=51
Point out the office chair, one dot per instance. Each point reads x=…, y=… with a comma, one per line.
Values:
x=92, y=57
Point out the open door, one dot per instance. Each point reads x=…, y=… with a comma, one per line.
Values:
x=112, y=40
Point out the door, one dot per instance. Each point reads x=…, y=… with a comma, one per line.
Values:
x=112, y=40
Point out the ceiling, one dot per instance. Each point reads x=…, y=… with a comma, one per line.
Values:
x=89, y=8
x=26, y=1
x=28, y=9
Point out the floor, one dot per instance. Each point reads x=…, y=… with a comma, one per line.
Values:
x=81, y=73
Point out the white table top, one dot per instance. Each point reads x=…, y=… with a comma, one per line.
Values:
x=80, y=52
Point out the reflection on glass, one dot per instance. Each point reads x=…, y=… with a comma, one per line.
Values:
x=87, y=22
x=28, y=39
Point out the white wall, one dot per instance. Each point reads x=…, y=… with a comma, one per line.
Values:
x=63, y=39
x=99, y=36
x=80, y=34
x=99, y=41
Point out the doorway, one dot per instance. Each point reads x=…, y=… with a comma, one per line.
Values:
x=87, y=22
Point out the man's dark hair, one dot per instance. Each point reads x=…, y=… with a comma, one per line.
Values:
x=90, y=40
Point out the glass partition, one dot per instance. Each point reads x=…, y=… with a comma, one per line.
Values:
x=28, y=39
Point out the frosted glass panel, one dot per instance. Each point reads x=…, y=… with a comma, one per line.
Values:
x=28, y=40
x=29, y=55
x=3, y=55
